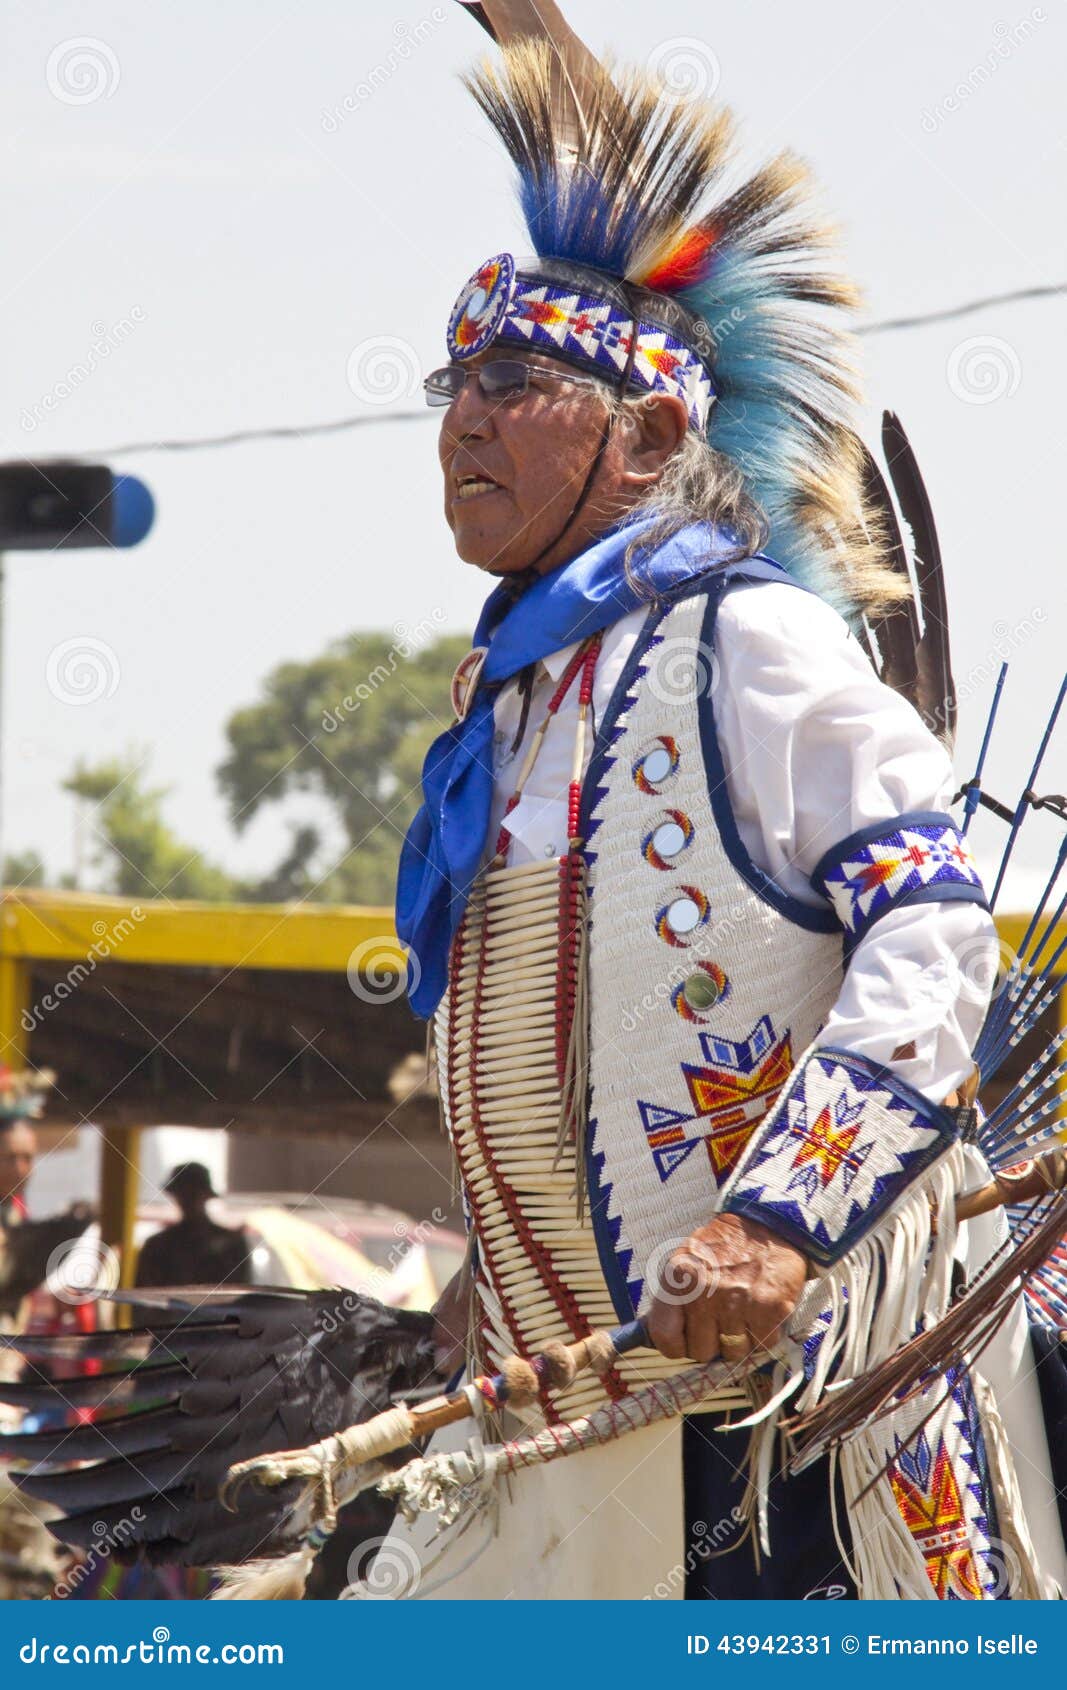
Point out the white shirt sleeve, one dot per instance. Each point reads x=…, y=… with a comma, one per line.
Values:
x=815, y=747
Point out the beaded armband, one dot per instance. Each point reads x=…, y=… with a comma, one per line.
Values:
x=845, y=1140
x=916, y=858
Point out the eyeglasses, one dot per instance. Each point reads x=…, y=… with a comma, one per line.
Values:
x=500, y=378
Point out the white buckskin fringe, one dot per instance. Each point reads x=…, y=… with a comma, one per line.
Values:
x=896, y=1281
x=888, y=1563
x=897, y=1278
x=1022, y=1577
x=283, y=1580
x=861, y=1310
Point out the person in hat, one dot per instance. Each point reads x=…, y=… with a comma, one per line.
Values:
x=194, y=1250
x=705, y=951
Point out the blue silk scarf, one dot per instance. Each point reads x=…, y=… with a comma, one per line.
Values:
x=445, y=843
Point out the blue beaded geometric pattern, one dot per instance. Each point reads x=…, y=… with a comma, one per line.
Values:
x=498, y=304
x=917, y=858
x=845, y=1138
x=940, y=1482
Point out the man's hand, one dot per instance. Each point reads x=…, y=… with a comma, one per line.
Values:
x=726, y=1291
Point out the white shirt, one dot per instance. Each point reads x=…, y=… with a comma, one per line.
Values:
x=815, y=747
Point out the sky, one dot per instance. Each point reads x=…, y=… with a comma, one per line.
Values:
x=238, y=215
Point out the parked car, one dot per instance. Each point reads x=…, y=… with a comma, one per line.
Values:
x=320, y=1242
x=310, y=1243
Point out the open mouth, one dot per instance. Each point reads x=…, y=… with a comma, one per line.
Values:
x=473, y=487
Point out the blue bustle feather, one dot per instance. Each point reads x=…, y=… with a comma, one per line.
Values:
x=617, y=188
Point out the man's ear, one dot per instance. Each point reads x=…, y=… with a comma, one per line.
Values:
x=652, y=429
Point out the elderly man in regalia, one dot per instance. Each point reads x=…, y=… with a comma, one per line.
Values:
x=697, y=932
x=710, y=971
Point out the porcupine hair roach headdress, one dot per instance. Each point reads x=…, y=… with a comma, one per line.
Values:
x=635, y=226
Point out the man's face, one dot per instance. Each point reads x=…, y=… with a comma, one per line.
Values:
x=514, y=468
x=191, y=1200
x=18, y=1152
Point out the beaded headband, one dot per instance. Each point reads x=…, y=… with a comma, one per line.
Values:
x=589, y=329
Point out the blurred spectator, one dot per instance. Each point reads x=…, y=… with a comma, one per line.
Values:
x=22, y=1095
x=18, y=1152
x=194, y=1250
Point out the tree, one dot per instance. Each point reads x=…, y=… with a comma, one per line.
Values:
x=142, y=856
x=23, y=868
x=351, y=726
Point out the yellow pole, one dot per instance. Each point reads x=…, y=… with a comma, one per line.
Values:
x=119, y=1183
x=14, y=1002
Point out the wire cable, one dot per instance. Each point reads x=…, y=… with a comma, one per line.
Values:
x=368, y=419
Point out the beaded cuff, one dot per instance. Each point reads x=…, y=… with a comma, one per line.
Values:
x=844, y=1141
x=917, y=858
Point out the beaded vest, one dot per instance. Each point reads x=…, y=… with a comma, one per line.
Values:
x=619, y=1019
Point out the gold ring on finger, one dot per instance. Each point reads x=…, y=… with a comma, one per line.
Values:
x=734, y=1342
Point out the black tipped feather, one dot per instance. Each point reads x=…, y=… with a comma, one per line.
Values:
x=478, y=13
x=137, y=1346
x=897, y=632
x=207, y=1383
x=935, y=686
x=124, y=1434
x=91, y=1390
x=117, y=1481
x=910, y=640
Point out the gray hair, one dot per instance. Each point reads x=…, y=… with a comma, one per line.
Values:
x=698, y=484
